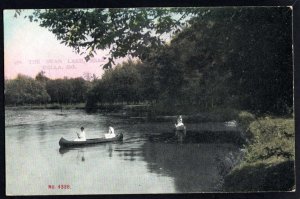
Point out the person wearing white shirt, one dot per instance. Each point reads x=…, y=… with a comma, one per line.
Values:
x=179, y=122
x=81, y=135
x=180, y=129
x=111, y=133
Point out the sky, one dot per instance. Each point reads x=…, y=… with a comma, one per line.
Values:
x=29, y=49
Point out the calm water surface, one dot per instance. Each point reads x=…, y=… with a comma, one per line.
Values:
x=139, y=164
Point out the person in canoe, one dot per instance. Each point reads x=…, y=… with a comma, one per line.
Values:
x=111, y=133
x=81, y=135
x=180, y=129
x=179, y=125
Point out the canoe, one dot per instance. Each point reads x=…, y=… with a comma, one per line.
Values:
x=67, y=143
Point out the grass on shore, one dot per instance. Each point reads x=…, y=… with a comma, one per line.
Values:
x=268, y=163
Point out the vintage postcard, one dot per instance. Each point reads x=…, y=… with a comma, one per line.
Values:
x=149, y=100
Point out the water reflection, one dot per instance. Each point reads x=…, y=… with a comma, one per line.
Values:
x=80, y=151
x=194, y=167
x=125, y=153
x=199, y=137
x=80, y=155
x=63, y=150
x=131, y=154
x=110, y=150
x=180, y=135
x=41, y=129
x=77, y=153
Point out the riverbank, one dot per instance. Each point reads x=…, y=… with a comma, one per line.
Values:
x=156, y=113
x=268, y=160
x=145, y=112
x=48, y=106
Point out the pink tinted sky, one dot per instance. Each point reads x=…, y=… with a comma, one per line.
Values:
x=29, y=49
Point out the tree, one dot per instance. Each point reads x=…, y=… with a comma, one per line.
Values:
x=79, y=89
x=232, y=54
x=25, y=90
x=41, y=77
x=258, y=53
x=124, y=31
x=150, y=85
x=60, y=90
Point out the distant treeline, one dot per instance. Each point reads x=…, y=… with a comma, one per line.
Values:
x=25, y=90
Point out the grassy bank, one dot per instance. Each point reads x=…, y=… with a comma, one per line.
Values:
x=268, y=163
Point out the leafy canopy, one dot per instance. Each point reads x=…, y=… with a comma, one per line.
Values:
x=124, y=31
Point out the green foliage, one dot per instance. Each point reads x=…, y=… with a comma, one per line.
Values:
x=79, y=89
x=41, y=90
x=244, y=120
x=218, y=57
x=273, y=139
x=182, y=82
x=41, y=77
x=25, y=90
x=120, y=84
x=150, y=83
x=72, y=90
x=268, y=163
x=239, y=57
x=60, y=90
x=122, y=30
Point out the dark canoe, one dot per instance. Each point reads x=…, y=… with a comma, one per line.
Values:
x=66, y=143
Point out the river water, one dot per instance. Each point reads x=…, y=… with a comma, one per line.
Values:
x=148, y=160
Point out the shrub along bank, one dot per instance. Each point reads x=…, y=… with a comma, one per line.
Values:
x=268, y=163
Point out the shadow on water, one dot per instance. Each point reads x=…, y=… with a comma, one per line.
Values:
x=21, y=136
x=120, y=148
x=41, y=127
x=79, y=152
x=233, y=137
x=131, y=154
x=194, y=167
x=198, y=164
x=64, y=150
